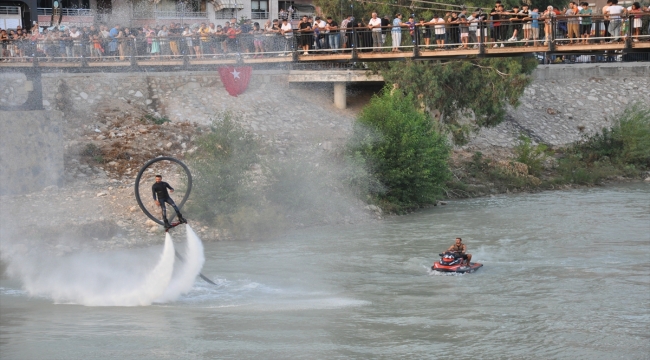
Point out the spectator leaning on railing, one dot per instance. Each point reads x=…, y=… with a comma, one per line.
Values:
x=576, y=25
x=615, y=13
x=375, y=25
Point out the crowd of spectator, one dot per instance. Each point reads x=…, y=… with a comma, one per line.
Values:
x=527, y=25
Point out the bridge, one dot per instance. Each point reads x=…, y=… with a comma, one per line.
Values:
x=47, y=54
x=49, y=50
x=413, y=52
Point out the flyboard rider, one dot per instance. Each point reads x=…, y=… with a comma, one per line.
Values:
x=161, y=196
x=459, y=248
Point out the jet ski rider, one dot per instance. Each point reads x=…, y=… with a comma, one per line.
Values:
x=459, y=248
x=159, y=190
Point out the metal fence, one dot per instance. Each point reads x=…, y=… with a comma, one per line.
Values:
x=551, y=44
x=157, y=14
x=9, y=10
x=543, y=32
x=67, y=12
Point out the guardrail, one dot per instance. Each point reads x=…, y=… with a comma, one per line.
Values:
x=485, y=38
x=9, y=10
x=170, y=15
x=67, y=12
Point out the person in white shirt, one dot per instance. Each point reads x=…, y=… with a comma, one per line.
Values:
x=321, y=39
x=375, y=25
x=614, y=12
x=75, y=35
x=439, y=29
x=287, y=30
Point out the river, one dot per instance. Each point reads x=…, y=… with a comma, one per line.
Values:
x=566, y=276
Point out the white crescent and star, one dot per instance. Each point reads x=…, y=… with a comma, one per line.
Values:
x=235, y=74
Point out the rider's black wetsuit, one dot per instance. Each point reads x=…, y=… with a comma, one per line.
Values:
x=159, y=190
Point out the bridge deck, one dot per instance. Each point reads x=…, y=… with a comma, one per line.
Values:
x=347, y=56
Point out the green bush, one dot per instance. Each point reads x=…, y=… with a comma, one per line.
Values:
x=633, y=130
x=220, y=168
x=478, y=164
x=626, y=142
x=531, y=155
x=575, y=170
x=398, y=146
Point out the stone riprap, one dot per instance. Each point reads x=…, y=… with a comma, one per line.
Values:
x=269, y=108
x=562, y=103
x=13, y=89
x=566, y=101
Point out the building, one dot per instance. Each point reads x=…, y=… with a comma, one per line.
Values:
x=17, y=13
x=141, y=12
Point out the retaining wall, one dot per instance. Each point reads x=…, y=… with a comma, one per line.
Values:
x=31, y=150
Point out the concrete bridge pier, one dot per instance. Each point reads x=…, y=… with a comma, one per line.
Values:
x=340, y=79
x=340, y=100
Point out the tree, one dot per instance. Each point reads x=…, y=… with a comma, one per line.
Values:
x=221, y=167
x=399, y=146
x=468, y=94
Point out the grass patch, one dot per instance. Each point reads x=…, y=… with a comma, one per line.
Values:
x=148, y=118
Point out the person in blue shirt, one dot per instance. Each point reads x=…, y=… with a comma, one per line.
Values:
x=534, y=26
x=396, y=32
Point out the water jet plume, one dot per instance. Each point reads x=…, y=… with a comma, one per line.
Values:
x=186, y=270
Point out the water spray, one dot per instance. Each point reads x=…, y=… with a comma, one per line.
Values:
x=180, y=206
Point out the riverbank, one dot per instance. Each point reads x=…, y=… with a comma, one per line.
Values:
x=477, y=175
x=96, y=206
x=101, y=214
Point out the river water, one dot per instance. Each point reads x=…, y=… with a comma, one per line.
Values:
x=566, y=275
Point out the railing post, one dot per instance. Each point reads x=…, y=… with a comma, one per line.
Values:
x=355, y=44
x=134, y=53
x=294, y=48
x=551, y=36
x=416, y=43
x=630, y=30
x=186, y=60
x=84, y=61
x=481, y=38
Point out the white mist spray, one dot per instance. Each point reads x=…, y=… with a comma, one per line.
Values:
x=187, y=270
x=106, y=279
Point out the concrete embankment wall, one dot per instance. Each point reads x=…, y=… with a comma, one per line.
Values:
x=31, y=150
x=562, y=103
x=566, y=101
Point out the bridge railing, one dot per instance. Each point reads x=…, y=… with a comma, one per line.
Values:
x=419, y=39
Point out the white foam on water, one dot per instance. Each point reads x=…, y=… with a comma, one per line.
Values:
x=107, y=279
x=186, y=270
x=11, y=292
x=249, y=295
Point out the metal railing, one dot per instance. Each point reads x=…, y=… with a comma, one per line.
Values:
x=550, y=44
x=546, y=34
x=9, y=10
x=157, y=14
x=259, y=15
x=67, y=12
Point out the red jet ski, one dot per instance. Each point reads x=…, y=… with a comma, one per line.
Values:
x=451, y=262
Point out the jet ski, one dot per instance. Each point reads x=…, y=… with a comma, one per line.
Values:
x=451, y=262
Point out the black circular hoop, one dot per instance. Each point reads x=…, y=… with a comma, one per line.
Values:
x=137, y=183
